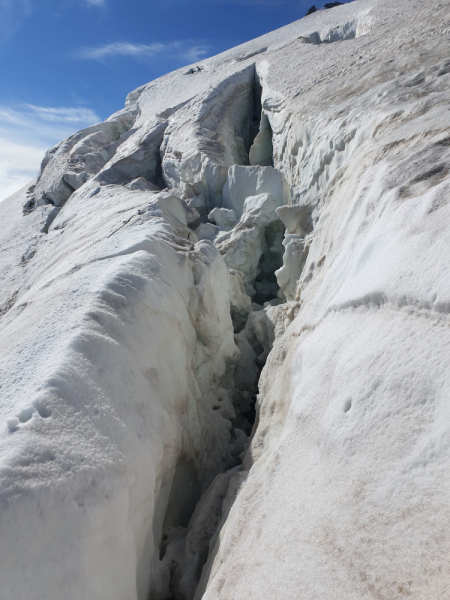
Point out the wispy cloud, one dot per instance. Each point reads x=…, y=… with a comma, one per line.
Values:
x=12, y=12
x=189, y=51
x=19, y=164
x=120, y=49
x=64, y=115
x=26, y=132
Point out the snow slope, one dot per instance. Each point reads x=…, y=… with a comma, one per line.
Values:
x=134, y=329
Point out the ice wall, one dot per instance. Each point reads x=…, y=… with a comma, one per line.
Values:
x=270, y=223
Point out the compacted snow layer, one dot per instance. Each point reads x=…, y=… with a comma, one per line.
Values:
x=120, y=348
x=283, y=206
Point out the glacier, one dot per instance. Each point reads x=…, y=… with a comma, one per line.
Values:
x=225, y=334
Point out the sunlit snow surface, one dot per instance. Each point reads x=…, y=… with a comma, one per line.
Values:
x=117, y=345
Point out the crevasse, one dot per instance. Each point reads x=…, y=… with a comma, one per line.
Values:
x=224, y=324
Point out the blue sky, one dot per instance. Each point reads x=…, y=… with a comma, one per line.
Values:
x=65, y=64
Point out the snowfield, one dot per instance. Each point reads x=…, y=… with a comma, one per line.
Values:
x=225, y=341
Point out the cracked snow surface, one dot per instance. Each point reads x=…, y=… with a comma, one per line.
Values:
x=225, y=329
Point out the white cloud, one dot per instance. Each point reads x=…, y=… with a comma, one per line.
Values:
x=18, y=165
x=12, y=12
x=177, y=49
x=195, y=53
x=26, y=132
x=68, y=115
x=120, y=49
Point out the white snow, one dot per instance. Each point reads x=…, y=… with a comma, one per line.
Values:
x=281, y=207
x=242, y=247
x=243, y=182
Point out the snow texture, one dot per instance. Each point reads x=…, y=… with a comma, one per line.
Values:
x=272, y=222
